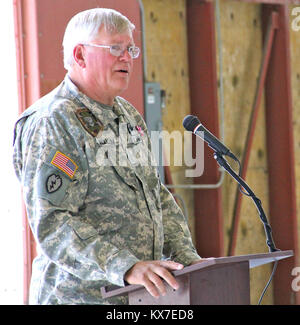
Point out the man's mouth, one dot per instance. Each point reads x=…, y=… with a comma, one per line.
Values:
x=125, y=71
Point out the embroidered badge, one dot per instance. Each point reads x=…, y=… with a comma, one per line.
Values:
x=64, y=163
x=90, y=123
x=53, y=183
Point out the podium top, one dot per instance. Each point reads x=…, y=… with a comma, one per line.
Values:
x=253, y=259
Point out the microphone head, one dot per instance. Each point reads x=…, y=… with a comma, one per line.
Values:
x=190, y=122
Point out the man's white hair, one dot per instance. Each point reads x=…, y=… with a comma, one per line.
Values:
x=84, y=27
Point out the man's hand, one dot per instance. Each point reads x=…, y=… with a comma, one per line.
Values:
x=151, y=274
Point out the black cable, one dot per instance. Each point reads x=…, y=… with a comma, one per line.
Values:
x=240, y=175
x=268, y=231
x=268, y=283
x=242, y=185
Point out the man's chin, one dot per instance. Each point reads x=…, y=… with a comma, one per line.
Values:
x=122, y=88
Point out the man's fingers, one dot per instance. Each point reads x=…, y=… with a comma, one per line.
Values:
x=167, y=276
x=151, y=275
x=151, y=288
x=171, y=265
x=156, y=280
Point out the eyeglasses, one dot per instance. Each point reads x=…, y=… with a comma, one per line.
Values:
x=118, y=50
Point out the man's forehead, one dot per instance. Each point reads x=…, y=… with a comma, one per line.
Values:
x=114, y=37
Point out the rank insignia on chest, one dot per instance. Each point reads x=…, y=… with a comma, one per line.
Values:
x=90, y=123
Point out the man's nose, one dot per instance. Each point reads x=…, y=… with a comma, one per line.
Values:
x=125, y=56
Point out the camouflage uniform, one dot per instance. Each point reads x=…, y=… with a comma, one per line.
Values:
x=93, y=208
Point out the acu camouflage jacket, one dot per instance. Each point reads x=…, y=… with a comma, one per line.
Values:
x=94, y=200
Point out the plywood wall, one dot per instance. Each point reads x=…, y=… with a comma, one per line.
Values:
x=167, y=63
x=241, y=38
x=241, y=35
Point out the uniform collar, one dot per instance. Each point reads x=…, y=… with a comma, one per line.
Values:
x=104, y=113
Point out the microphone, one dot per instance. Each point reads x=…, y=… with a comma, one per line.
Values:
x=192, y=123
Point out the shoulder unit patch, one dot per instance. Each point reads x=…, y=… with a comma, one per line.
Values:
x=90, y=123
x=53, y=183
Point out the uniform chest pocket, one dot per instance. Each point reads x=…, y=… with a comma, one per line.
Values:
x=137, y=152
x=118, y=161
x=127, y=176
x=151, y=178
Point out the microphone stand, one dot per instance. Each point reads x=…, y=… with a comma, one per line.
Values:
x=268, y=231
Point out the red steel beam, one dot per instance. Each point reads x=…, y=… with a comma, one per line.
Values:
x=272, y=25
x=204, y=104
x=280, y=151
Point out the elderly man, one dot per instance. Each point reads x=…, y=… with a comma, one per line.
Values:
x=97, y=220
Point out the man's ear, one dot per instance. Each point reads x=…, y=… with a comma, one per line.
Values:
x=78, y=55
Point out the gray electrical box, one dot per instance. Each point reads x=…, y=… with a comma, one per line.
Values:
x=153, y=117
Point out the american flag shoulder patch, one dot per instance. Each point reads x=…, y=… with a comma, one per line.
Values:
x=64, y=163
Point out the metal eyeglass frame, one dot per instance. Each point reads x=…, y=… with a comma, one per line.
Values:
x=133, y=51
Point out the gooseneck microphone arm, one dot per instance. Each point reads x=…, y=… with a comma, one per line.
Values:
x=192, y=123
x=268, y=231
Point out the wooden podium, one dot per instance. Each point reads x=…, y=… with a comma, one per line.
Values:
x=216, y=281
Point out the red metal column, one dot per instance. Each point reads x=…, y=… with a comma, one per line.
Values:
x=204, y=104
x=280, y=148
x=272, y=25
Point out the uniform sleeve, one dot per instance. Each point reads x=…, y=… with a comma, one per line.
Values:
x=54, y=195
x=177, y=238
